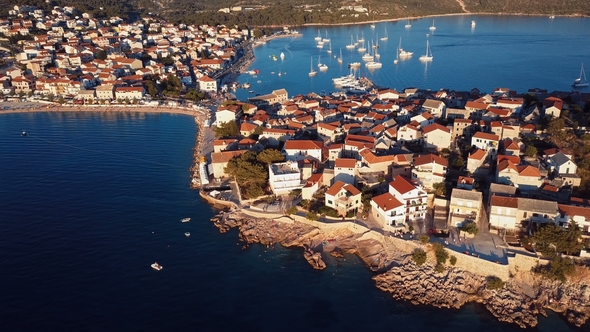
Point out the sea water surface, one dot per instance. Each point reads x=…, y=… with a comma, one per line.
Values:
x=516, y=52
x=89, y=200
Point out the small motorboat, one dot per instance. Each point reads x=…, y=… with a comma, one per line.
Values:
x=187, y=234
x=185, y=219
x=157, y=266
x=24, y=133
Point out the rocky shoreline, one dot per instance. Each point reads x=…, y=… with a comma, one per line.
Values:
x=520, y=301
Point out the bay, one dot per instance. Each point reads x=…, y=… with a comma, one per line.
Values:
x=88, y=201
x=516, y=52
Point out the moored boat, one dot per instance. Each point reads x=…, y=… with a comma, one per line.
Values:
x=581, y=81
x=187, y=234
x=157, y=266
x=189, y=219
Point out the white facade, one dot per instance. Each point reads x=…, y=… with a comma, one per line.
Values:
x=284, y=177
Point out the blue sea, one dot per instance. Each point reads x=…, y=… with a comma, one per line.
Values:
x=500, y=51
x=89, y=200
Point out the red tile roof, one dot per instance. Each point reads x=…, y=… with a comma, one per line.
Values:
x=387, y=202
x=303, y=145
x=345, y=163
x=339, y=185
x=401, y=185
x=511, y=202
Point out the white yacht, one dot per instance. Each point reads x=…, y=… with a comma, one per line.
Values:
x=187, y=234
x=340, y=58
x=312, y=72
x=403, y=53
x=408, y=25
x=321, y=66
x=157, y=266
x=428, y=55
x=189, y=219
x=472, y=24
x=319, y=37
x=368, y=57
x=354, y=65
x=362, y=49
x=581, y=81
x=352, y=45
x=432, y=27
x=373, y=65
x=282, y=56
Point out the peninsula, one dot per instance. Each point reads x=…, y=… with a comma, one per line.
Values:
x=448, y=196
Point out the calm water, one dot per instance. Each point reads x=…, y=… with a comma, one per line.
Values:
x=500, y=51
x=89, y=201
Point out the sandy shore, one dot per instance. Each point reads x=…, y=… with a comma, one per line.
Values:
x=30, y=107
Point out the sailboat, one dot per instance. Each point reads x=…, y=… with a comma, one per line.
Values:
x=326, y=40
x=351, y=45
x=321, y=66
x=282, y=56
x=428, y=55
x=384, y=38
x=312, y=72
x=362, y=48
x=580, y=82
x=473, y=24
x=319, y=36
x=403, y=53
x=432, y=28
x=340, y=58
x=408, y=25
x=396, y=60
x=330, y=49
x=362, y=39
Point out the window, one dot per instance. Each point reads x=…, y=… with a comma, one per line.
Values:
x=330, y=202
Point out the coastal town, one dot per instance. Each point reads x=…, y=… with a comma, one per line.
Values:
x=477, y=176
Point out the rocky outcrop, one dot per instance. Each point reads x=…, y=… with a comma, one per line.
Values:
x=314, y=259
x=520, y=302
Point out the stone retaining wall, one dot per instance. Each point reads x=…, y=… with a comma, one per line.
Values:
x=481, y=266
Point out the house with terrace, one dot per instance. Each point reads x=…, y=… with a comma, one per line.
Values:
x=388, y=210
x=284, y=177
x=295, y=150
x=429, y=169
x=465, y=206
x=486, y=142
x=343, y=197
x=413, y=198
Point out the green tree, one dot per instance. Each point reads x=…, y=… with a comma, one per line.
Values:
x=469, y=227
x=292, y=210
x=440, y=189
x=419, y=256
x=453, y=260
x=440, y=252
x=557, y=269
x=151, y=88
x=168, y=61
x=494, y=283
x=250, y=175
x=530, y=151
x=459, y=162
x=424, y=238
x=312, y=215
x=270, y=156
x=227, y=129
x=194, y=95
x=552, y=240
x=101, y=55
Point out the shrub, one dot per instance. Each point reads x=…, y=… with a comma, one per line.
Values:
x=453, y=260
x=350, y=214
x=424, y=238
x=419, y=256
x=292, y=210
x=312, y=215
x=439, y=268
x=470, y=228
x=557, y=269
x=328, y=211
x=494, y=283
x=441, y=254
